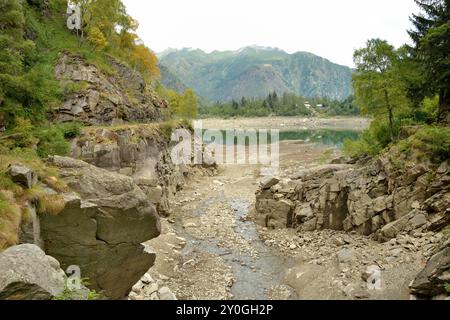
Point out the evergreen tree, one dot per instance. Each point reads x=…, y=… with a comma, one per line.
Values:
x=432, y=47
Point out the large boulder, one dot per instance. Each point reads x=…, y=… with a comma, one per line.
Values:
x=101, y=228
x=431, y=280
x=26, y=273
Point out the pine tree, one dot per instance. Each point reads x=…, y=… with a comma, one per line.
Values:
x=432, y=47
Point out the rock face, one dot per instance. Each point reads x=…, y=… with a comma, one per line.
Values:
x=103, y=99
x=26, y=273
x=23, y=176
x=430, y=282
x=101, y=228
x=141, y=152
x=372, y=199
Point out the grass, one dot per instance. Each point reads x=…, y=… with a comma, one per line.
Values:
x=447, y=287
x=51, y=204
x=13, y=197
x=10, y=218
x=71, y=295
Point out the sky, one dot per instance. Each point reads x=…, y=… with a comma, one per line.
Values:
x=332, y=29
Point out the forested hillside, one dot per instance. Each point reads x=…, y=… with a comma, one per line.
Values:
x=254, y=72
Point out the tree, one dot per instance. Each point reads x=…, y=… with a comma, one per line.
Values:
x=378, y=87
x=145, y=60
x=432, y=47
x=16, y=94
x=97, y=38
x=188, y=108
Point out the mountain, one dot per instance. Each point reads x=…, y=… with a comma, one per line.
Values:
x=254, y=72
x=170, y=80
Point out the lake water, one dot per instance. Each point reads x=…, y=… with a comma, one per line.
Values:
x=323, y=136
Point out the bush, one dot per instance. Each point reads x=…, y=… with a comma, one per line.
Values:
x=433, y=142
x=53, y=139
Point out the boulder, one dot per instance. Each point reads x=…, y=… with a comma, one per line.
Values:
x=431, y=280
x=26, y=273
x=268, y=182
x=101, y=228
x=277, y=214
x=23, y=175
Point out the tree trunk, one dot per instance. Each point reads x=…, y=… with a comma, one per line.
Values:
x=391, y=114
x=444, y=107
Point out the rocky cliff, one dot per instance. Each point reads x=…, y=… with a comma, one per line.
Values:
x=386, y=198
x=375, y=199
x=141, y=152
x=95, y=97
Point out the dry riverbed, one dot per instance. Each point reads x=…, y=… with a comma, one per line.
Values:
x=289, y=123
x=211, y=249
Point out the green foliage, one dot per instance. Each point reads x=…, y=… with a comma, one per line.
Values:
x=433, y=142
x=167, y=128
x=379, y=89
x=447, y=287
x=286, y=105
x=73, y=295
x=432, y=44
x=183, y=105
x=46, y=140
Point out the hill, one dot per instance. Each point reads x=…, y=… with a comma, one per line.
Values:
x=256, y=71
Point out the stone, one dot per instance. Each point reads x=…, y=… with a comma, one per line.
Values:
x=23, y=175
x=166, y=294
x=418, y=221
x=277, y=214
x=303, y=213
x=101, y=228
x=310, y=225
x=155, y=194
x=26, y=273
x=431, y=280
x=346, y=255
x=268, y=182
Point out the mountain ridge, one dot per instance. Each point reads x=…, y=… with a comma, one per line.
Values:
x=227, y=75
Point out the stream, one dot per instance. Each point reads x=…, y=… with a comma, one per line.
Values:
x=254, y=274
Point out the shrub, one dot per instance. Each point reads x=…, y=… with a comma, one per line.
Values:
x=53, y=139
x=433, y=142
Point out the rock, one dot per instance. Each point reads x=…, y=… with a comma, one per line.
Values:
x=303, y=213
x=310, y=225
x=23, y=175
x=26, y=273
x=339, y=242
x=418, y=221
x=345, y=255
x=361, y=294
x=101, y=228
x=277, y=214
x=431, y=280
x=108, y=99
x=166, y=294
x=268, y=182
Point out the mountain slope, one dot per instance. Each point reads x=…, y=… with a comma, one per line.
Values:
x=256, y=71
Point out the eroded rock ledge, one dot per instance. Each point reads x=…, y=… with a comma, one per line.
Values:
x=371, y=200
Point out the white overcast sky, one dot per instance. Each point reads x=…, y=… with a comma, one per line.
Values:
x=332, y=29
